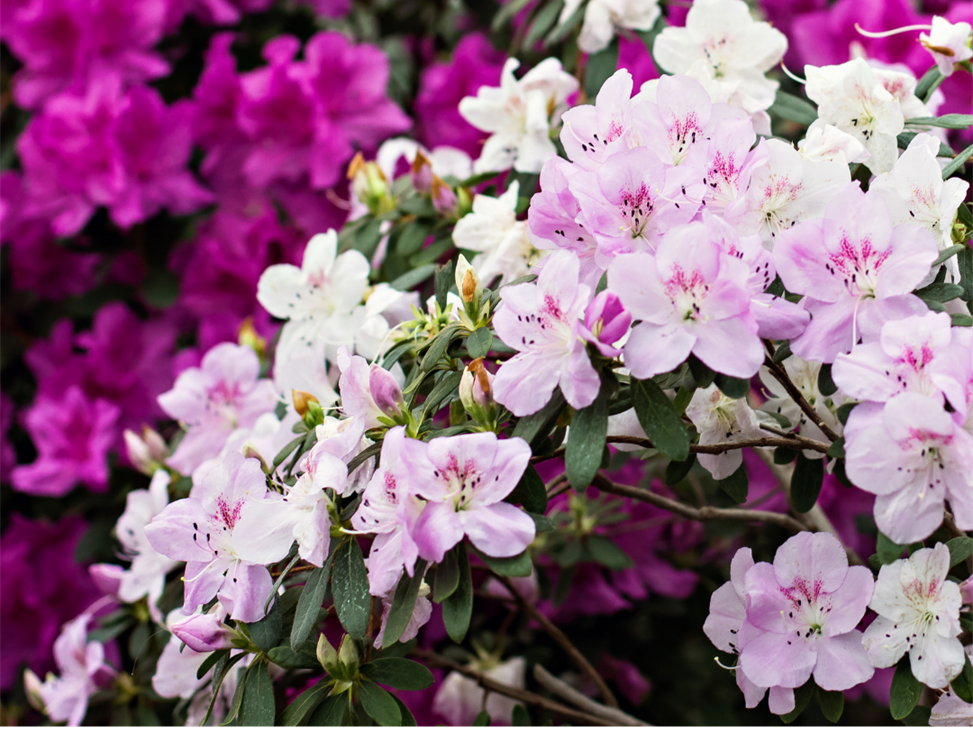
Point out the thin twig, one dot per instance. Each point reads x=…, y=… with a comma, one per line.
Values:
x=566, y=692
x=522, y=695
x=565, y=643
x=780, y=374
x=701, y=514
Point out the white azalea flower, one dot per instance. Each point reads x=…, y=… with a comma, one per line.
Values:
x=917, y=195
x=502, y=242
x=949, y=44
x=720, y=419
x=460, y=699
x=851, y=97
x=603, y=17
x=518, y=115
x=918, y=612
x=737, y=49
x=788, y=189
x=825, y=142
x=950, y=710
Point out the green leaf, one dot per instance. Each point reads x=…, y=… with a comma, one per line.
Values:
x=732, y=387
x=403, y=604
x=957, y=162
x=806, y=482
x=939, y=292
x=442, y=390
x=793, y=108
x=737, y=485
x=802, y=697
x=438, y=348
x=407, y=719
x=222, y=668
x=399, y=673
x=349, y=583
x=963, y=684
x=413, y=278
x=519, y=566
x=379, y=704
x=825, y=382
x=308, y=605
x=284, y=656
x=782, y=353
x=905, y=690
x=266, y=632
x=961, y=320
x=366, y=238
x=960, y=548
x=507, y=13
x=482, y=719
x=536, y=426
x=832, y=704
x=600, y=66
x=604, y=551
x=443, y=281
x=837, y=448
x=676, y=471
x=258, y=701
x=458, y=606
x=703, y=375
x=965, y=261
x=446, y=576
x=544, y=20
x=332, y=712
x=928, y=84
x=659, y=419
x=287, y=451
x=784, y=455
x=209, y=661
x=530, y=492
x=413, y=235
x=479, y=342
x=160, y=288
x=919, y=717
x=844, y=411
x=238, y=695
x=561, y=31
x=948, y=253
x=586, y=441
x=520, y=717
x=304, y=703
x=946, y=121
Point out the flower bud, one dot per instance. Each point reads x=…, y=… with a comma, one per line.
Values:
x=33, y=687
x=250, y=451
x=301, y=399
x=348, y=656
x=107, y=577
x=203, y=632
x=443, y=197
x=385, y=392
x=422, y=174
x=247, y=336
x=327, y=656
x=370, y=185
x=966, y=591
x=605, y=323
x=475, y=393
x=467, y=282
x=146, y=452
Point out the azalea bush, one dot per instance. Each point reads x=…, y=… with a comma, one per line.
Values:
x=531, y=362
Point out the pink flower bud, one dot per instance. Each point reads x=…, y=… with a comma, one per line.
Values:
x=443, y=197
x=422, y=174
x=605, y=323
x=966, y=590
x=203, y=632
x=385, y=392
x=107, y=577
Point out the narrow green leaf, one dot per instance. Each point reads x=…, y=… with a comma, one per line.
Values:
x=948, y=253
x=603, y=550
x=958, y=319
x=507, y=13
x=479, y=342
x=793, y=108
x=806, y=482
x=919, y=717
x=284, y=656
x=520, y=717
x=703, y=375
x=844, y=411
x=446, y=577
x=887, y=551
x=825, y=382
x=784, y=455
x=960, y=548
x=905, y=690
x=940, y=292
x=561, y=31
x=946, y=121
x=413, y=277
x=266, y=632
x=349, y=583
x=586, y=441
x=832, y=704
x=928, y=84
x=957, y=162
x=837, y=448
x=442, y=390
x=413, y=235
x=287, y=451
x=544, y=20
x=379, y=704
x=403, y=604
x=399, y=673
x=802, y=697
x=659, y=420
x=482, y=719
x=443, y=281
x=407, y=719
x=676, y=471
x=530, y=492
x=536, y=426
x=308, y=605
x=332, y=712
x=238, y=695
x=782, y=353
x=963, y=684
x=211, y=660
x=222, y=668
x=438, y=348
x=305, y=703
x=519, y=566
x=600, y=66
x=258, y=701
x=732, y=387
x=458, y=606
x=737, y=485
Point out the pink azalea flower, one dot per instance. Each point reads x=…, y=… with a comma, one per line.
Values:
x=605, y=323
x=542, y=321
x=214, y=400
x=204, y=632
x=389, y=510
x=914, y=456
x=730, y=163
x=368, y=392
x=464, y=480
x=73, y=435
x=592, y=134
x=801, y=616
x=691, y=298
x=200, y=531
x=855, y=270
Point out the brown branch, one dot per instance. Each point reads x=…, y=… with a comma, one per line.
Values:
x=700, y=514
x=780, y=374
x=565, y=643
x=566, y=692
x=522, y=695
